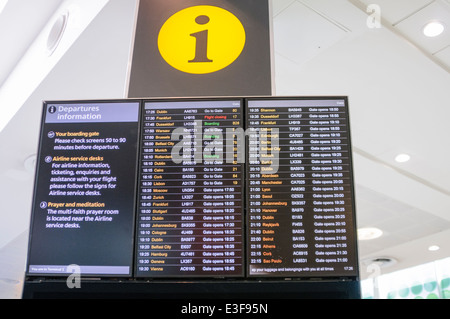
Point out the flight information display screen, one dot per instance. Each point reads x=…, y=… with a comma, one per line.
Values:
x=195, y=188
x=300, y=218
x=190, y=217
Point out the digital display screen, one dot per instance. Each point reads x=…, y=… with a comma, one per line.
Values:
x=84, y=204
x=195, y=188
x=300, y=196
x=190, y=220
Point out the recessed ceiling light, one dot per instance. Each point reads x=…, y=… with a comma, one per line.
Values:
x=402, y=158
x=433, y=29
x=369, y=233
x=434, y=248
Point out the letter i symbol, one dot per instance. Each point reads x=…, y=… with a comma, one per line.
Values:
x=201, y=37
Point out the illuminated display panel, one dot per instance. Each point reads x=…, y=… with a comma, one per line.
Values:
x=300, y=207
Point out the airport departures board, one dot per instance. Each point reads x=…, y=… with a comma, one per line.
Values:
x=258, y=187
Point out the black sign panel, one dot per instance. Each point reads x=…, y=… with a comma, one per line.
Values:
x=84, y=203
x=300, y=208
x=186, y=48
x=190, y=221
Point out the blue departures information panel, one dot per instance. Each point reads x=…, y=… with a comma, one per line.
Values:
x=84, y=202
x=195, y=188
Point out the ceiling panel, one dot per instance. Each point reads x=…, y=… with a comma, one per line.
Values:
x=398, y=102
x=300, y=33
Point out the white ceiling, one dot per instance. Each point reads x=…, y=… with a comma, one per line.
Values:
x=399, y=102
x=17, y=38
x=397, y=81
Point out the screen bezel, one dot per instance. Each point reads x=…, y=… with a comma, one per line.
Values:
x=36, y=186
x=245, y=266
